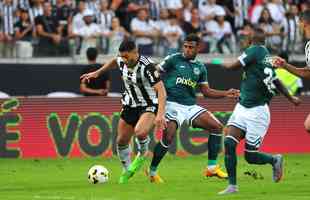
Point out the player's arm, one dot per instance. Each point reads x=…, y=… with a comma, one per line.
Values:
x=107, y=66
x=154, y=79
x=247, y=57
x=282, y=89
x=301, y=72
x=216, y=94
x=87, y=90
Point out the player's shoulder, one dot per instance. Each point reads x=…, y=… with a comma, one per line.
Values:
x=146, y=61
x=257, y=48
x=174, y=56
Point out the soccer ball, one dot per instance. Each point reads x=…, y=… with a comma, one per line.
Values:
x=98, y=174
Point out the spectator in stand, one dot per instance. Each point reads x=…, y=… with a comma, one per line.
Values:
x=90, y=33
x=36, y=10
x=194, y=26
x=277, y=10
x=272, y=30
x=171, y=5
x=23, y=35
x=173, y=35
x=49, y=33
x=187, y=8
x=104, y=20
x=226, y=40
x=93, y=5
x=144, y=31
x=99, y=86
x=208, y=9
x=291, y=31
x=7, y=12
x=77, y=23
x=257, y=9
x=116, y=36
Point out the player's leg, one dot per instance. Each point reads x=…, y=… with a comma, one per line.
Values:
x=258, y=124
x=234, y=135
x=125, y=132
x=142, y=129
x=161, y=149
x=307, y=123
x=208, y=121
x=175, y=117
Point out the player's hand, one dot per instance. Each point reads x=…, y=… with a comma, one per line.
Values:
x=233, y=93
x=295, y=100
x=85, y=78
x=160, y=122
x=278, y=62
x=102, y=92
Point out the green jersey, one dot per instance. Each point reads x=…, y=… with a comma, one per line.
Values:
x=182, y=77
x=257, y=86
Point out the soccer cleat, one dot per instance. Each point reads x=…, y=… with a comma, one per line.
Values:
x=277, y=168
x=229, y=190
x=215, y=172
x=154, y=179
x=132, y=169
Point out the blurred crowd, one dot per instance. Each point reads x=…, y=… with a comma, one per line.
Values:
x=46, y=28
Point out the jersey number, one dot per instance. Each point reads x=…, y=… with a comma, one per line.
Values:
x=269, y=80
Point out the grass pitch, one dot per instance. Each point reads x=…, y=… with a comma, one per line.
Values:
x=66, y=179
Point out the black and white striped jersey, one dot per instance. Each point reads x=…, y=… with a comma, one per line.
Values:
x=307, y=52
x=139, y=82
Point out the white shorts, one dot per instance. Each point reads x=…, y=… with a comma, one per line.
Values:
x=253, y=121
x=182, y=113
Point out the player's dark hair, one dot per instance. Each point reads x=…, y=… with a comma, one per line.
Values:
x=259, y=36
x=192, y=38
x=91, y=54
x=127, y=45
x=305, y=16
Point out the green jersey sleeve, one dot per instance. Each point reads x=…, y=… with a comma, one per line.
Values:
x=166, y=64
x=203, y=78
x=248, y=56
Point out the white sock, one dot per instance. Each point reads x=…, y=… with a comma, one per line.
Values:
x=143, y=145
x=124, y=153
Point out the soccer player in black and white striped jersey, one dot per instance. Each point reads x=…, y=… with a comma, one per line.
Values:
x=143, y=103
x=303, y=72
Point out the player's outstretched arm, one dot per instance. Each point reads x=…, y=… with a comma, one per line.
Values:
x=282, y=89
x=215, y=94
x=160, y=120
x=303, y=72
x=235, y=65
x=92, y=75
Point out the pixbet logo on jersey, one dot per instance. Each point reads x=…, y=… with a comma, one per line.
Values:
x=187, y=82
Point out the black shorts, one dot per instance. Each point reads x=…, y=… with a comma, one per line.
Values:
x=132, y=115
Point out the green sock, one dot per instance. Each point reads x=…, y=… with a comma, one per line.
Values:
x=258, y=158
x=160, y=151
x=214, y=147
x=231, y=160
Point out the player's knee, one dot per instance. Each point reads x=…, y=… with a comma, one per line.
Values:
x=218, y=128
x=230, y=145
x=250, y=157
x=141, y=133
x=167, y=139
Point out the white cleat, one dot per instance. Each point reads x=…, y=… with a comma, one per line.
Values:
x=229, y=190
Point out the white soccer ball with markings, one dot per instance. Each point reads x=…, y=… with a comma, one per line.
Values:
x=98, y=174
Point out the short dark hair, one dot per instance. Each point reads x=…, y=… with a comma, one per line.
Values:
x=259, y=36
x=192, y=38
x=127, y=45
x=305, y=16
x=91, y=53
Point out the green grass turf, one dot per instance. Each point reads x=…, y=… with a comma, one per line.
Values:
x=67, y=179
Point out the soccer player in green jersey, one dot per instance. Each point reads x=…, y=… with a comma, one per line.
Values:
x=303, y=72
x=182, y=75
x=251, y=116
